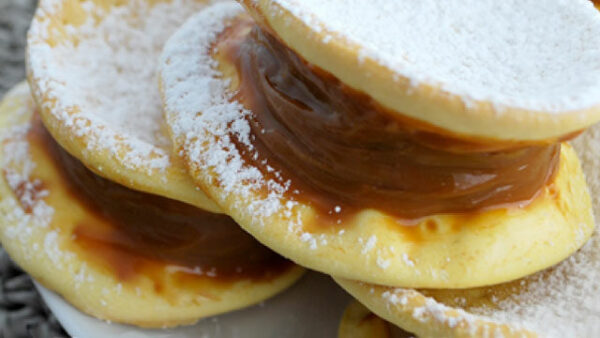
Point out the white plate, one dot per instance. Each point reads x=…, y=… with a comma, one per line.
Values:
x=312, y=308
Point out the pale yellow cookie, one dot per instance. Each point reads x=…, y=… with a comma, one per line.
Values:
x=562, y=301
x=441, y=251
x=359, y=322
x=481, y=69
x=91, y=66
x=40, y=223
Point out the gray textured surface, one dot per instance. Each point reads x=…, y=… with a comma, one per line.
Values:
x=15, y=16
x=22, y=312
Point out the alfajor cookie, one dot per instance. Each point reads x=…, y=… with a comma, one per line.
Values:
x=321, y=171
x=91, y=66
x=561, y=301
x=511, y=70
x=115, y=253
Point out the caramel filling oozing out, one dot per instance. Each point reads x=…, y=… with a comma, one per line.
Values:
x=138, y=234
x=343, y=152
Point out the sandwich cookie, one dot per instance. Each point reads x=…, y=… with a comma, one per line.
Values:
x=91, y=66
x=359, y=322
x=561, y=301
x=115, y=253
x=332, y=176
x=477, y=69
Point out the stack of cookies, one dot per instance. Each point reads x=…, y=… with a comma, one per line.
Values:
x=94, y=204
x=417, y=152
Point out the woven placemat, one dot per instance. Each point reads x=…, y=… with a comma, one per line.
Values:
x=22, y=311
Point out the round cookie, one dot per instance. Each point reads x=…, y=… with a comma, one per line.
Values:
x=359, y=322
x=91, y=66
x=442, y=251
x=39, y=218
x=456, y=65
x=562, y=301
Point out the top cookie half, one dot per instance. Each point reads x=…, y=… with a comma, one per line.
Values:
x=520, y=70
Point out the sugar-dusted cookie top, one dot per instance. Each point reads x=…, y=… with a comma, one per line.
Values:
x=524, y=70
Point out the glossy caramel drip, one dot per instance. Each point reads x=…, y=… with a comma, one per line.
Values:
x=135, y=233
x=343, y=152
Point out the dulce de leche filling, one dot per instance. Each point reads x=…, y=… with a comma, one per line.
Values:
x=140, y=233
x=343, y=152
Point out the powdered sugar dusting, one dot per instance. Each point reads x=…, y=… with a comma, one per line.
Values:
x=530, y=54
x=104, y=87
x=369, y=244
x=29, y=215
x=205, y=120
x=430, y=310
